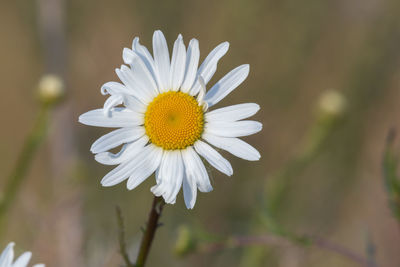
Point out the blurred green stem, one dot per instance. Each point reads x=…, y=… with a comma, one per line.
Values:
x=331, y=108
x=392, y=181
x=311, y=146
x=149, y=232
x=31, y=144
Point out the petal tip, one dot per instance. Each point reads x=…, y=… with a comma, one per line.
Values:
x=158, y=33
x=127, y=55
x=194, y=41
x=259, y=126
x=189, y=206
x=246, y=68
x=226, y=44
x=256, y=157
x=93, y=149
x=104, y=183
x=81, y=118
x=129, y=186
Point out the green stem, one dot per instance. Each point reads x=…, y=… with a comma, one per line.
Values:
x=24, y=161
x=152, y=225
x=391, y=179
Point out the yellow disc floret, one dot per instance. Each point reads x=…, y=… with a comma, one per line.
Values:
x=174, y=120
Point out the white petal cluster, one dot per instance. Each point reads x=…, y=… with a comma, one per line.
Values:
x=143, y=78
x=7, y=258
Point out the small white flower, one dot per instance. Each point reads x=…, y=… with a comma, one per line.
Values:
x=164, y=122
x=7, y=257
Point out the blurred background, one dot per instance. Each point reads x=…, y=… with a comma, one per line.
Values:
x=325, y=73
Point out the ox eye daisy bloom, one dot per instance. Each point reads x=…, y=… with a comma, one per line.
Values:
x=7, y=258
x=162, y=110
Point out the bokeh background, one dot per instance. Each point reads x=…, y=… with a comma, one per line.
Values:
x=297, y=51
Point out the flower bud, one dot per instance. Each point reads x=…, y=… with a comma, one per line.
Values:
x=332, y=103
x=51, y=89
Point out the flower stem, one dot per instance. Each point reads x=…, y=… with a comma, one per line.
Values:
x=391, y=179
x=31, y=144
x=149, y=232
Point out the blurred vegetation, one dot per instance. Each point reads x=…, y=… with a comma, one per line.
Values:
x=390, y=175
x=320, y=172
x=49, y=93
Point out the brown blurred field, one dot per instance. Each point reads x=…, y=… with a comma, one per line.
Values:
x=296, y=51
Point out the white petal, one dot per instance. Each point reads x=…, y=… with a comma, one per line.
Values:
x=127, y=168
x=128, y=56
x=147, y=58
x=170, y=176
x=213, y=157
x=232, y=113
x=23, y=260
x=196, y=170
x=173, y=177
x=127, y=152
x=161, y=59
x=119, y=173
x=7, y=255
x=141, y=79
x=157, y=174
x=202, y=92
x=233, y=128
x=209, y=65
x=134, y=104
x=192, y=62
x=147, y=164
x=117, y=138
x=114, y=88
x=164, y=174
x=234, y=146
x=177, y=182
x=178, y=60
x=39, y=265
x=227, y=84
x=130, y=85
x=141, y=74
x=118, y=118
x=126, y=76
x=189, y=191
x=111, y=102
x=159, y=189
x=118, y=91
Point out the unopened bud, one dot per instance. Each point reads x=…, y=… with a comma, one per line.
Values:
x=51, y=89
x=332, y=103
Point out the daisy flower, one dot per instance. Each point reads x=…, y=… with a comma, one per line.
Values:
x=162, y=110
x=7, y=257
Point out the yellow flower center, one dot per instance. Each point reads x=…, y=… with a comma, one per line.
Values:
x=174, y=120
